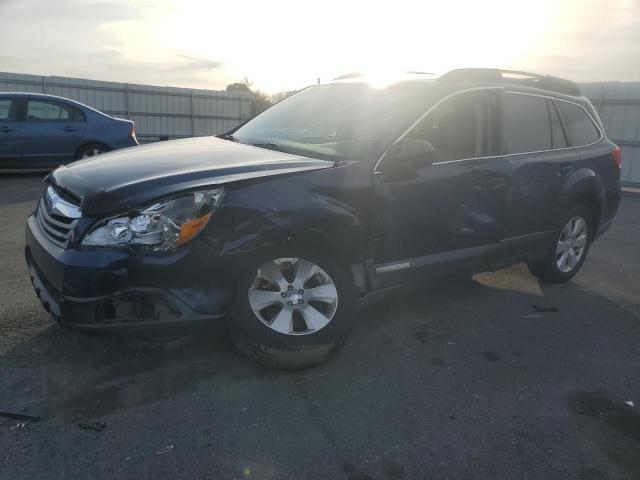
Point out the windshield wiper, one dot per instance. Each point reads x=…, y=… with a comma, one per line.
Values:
x=267, y=145
x=228, y=136
x=270, y=146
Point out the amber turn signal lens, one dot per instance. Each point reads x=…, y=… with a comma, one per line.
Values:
x=190, y=229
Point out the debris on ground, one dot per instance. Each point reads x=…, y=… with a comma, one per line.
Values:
x=545, y=309
x=629, y=402
x=95, y=426
x=19, y=416
x=164, y=450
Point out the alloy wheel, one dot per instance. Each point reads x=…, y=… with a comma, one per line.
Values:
x=571, y=244
x=293, y=296
x=92, y=152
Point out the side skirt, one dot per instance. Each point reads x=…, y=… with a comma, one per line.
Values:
x=467, y=260
x=475, y=259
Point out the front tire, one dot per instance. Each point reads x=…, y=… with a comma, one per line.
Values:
x=569, y=247
x=292, y=310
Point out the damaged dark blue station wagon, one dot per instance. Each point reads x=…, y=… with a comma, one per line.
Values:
x=344, y=190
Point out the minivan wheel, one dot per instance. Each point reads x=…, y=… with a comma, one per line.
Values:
x=569, y=248
x=293, y=311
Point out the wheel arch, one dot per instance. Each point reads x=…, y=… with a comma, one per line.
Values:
x=86, y=143
x=355, y=266
x=585, y=187
x=318, y=211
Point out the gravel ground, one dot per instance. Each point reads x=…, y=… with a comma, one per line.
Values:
x=459, y=380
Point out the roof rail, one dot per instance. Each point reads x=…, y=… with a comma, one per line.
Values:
x=545, y=82
x=361, y=74
x=349, y=75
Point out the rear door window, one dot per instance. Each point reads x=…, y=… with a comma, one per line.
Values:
x=525, y=124
x=580, y=128
x=43, y=111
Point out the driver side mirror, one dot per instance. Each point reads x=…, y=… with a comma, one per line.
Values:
x=407, y=155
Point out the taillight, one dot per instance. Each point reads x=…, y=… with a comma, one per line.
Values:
x=617, y=156
x=132, y=134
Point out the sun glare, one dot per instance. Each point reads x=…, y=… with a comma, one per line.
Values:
x=279, y=46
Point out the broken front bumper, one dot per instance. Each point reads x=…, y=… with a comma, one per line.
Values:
x=121, y=290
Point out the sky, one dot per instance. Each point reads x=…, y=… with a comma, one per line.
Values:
x=286, y=45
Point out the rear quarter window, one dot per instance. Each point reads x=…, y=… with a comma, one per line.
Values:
x=78, y=115
x=525, y=124
x=580, y=128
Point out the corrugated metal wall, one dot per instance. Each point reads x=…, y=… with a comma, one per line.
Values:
x=618, y=104
x=183, y=112
x=158, y=111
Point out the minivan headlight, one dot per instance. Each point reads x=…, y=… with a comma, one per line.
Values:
x=165, y=225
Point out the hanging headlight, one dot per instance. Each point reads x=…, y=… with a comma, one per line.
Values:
x=161, y=226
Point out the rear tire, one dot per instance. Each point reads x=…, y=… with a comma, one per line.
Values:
x=569, y=247
x=304, y=338
x=90, y=150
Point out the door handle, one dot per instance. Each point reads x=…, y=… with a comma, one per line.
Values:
x=6, y=129
x=69, y=129
x=564, y=171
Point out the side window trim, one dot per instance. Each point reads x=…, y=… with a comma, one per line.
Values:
x=554, y=104
x=499, y=126
x=556, y=99
x=562, y=122
x=553, y=112
x=78, y=115
x=64, y=106
x=12, y=114
x=427, y=112
x=593, y=121
x=564, y=127
x=21, y=109
x=546, y=102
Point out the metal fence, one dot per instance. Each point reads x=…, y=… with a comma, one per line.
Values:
x=618, y=104
x=170, y=112
x=159, y=112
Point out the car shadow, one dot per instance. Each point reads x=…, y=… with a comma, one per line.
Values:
x=465, y=339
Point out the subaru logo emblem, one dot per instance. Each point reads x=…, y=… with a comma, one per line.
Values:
x=54, y=204
x=50, y=200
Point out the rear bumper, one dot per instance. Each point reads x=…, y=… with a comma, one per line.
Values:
x=609, y=208
x=121, y=291
x=126, y=143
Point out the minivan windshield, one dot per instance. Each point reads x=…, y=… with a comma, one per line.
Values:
x=332, y=121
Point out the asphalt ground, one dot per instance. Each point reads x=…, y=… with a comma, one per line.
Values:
x=461, y=379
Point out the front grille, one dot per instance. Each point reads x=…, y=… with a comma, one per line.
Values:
x=53, y=222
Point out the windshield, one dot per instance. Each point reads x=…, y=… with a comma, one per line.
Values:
x=330, y=121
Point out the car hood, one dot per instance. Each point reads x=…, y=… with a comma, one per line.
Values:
x=127, y=178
